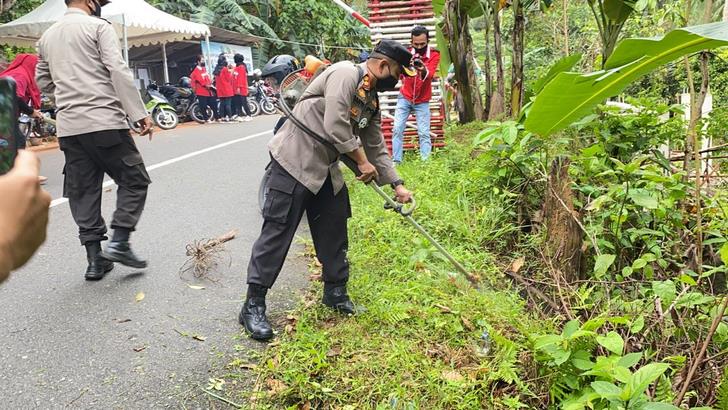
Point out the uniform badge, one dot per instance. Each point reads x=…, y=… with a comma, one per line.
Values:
x=355, y=111
x=363, y=122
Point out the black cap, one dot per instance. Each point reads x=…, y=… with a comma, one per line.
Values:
x=102, y=3
x=397, y=52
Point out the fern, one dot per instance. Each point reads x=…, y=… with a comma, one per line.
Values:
x=664, y=392
x=722, y=392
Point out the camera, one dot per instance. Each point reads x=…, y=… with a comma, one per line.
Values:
x=417, y=62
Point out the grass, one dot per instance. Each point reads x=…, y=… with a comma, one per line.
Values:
x=419, y=345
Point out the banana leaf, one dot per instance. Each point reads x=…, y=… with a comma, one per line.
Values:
x=570, y=96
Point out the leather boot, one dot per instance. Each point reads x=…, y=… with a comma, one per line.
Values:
x=98, y=267
x=252, y=316
x=338, y=299
x=120, y=251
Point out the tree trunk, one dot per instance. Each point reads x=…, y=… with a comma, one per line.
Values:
x=566, y=27
x=564, y=236
x=497, y=105
x=487, y=66
x=5, y=5
x=460, y=47
x=519, y=25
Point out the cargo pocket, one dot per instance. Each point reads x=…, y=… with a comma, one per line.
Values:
x=279, y=201
x=135, y=174
x=69, y=190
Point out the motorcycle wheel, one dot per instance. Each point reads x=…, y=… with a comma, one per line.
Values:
x=254, y=108
x=263, y=189
x=196, y=113
x=166, y=119
x=268, y=107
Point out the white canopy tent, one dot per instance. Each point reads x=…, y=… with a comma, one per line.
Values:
x=137, y=23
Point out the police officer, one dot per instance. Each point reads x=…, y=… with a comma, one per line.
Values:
x=342, y=106
x=82, y=68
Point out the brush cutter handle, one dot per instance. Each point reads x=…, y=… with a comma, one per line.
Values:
x=402, y=209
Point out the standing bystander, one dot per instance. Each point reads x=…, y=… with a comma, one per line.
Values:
x=240, y=100
x=415, y=95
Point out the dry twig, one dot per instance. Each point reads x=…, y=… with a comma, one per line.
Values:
x=204, y=255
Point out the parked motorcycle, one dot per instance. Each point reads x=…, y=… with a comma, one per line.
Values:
x=183, y=99
x=263, y=97
x=36, y=130
x=163, y=113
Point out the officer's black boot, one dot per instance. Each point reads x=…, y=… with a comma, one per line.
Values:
x=119, y=250
x=336, y=297
x=252, y=316
x=98, y=267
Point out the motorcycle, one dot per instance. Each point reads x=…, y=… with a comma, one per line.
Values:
x=163, y=113
x=184, y=100
x=262, y=98
x=35, y=130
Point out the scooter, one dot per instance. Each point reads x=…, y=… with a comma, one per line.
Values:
x=263, y=96
x=184, y=101
x=163, y=113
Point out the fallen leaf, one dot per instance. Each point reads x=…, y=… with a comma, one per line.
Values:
x=140, y=296
x=195, y=287
x=443, y=308
x=107, y=190
x=140, y=349
x=275, y=386
x=452, y=376
x=305, y=406
x=468, y=325
x=334, y=351
x=517, y=264
x=315, y=277
x=317, y=263
x=123, y=321
x=200, y=338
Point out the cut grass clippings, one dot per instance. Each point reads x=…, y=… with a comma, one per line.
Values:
x=428, y=339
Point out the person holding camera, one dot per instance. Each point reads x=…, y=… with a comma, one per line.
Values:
x=415, y=95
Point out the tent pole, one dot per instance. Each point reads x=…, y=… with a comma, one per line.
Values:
x=126, y=40
x=164, y=62
x=210, y=62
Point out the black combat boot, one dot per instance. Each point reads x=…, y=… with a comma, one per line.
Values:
x=119, y=250
x=335, y=297
x=252, y=316
x=98, y=267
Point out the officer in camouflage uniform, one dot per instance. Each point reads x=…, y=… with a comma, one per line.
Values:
x=341, y=105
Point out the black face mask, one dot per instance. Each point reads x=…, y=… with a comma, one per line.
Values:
x=388, y=83
x=203, y=64
x=97, y=10
x=421, y=51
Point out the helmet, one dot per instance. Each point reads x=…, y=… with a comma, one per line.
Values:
x=280, y=66
x=185, y=82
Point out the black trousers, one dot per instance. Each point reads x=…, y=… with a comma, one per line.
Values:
x=240, y=105
x=226, y=107
x=88, y=158
x=206, y=102
x=284, y=207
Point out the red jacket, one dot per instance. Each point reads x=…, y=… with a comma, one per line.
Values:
x=241, y=80
x=416, y=89
x=225, y=83
x=201, y=81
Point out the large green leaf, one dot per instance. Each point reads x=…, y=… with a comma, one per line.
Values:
x=618, y=10
x=570, y=96
x=565, y=64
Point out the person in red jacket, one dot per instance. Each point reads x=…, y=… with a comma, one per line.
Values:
x=225, y=91
x=415, y=95
x=240, y=100
x=202, y=86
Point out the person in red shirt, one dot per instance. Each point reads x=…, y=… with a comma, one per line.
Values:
x=415, y=95
x=240, y=100
x=225, y=91
x=202, y=86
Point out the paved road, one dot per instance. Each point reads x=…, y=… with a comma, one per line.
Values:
x=65, y=342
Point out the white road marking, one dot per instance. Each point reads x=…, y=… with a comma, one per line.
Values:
x=109, y=183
